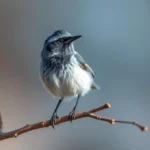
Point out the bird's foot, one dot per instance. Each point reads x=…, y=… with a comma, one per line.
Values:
x=72, y=115
x=53, y=119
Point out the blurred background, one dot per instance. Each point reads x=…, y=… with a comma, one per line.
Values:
x=115, y=43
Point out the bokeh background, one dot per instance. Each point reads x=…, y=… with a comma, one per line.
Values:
x=115, y=43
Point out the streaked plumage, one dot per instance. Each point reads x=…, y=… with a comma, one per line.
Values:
x=63, y=71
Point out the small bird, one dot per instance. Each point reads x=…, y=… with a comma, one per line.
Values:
x=63, y=71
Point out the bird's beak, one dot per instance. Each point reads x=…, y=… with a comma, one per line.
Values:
x=72, y=38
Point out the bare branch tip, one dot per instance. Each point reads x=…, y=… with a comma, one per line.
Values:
x=108, y=105
x=144, y=129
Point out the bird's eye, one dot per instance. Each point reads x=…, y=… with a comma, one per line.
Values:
x=53, y=46
x=61, y=40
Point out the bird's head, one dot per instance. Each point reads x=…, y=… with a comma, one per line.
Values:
x=59, y=43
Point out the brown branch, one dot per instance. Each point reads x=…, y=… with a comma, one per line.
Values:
x=90, y=114
x=1, y=123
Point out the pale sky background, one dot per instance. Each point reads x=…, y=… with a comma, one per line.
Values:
x=115, y=43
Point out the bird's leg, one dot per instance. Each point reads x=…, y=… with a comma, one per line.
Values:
x=55, y=116
x=72, y=113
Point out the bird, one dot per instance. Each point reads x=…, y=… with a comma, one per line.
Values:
x=64, y=72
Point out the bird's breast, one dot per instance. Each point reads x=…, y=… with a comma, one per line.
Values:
x=69, y=80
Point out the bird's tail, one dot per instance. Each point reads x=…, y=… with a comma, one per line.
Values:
x=95, y=86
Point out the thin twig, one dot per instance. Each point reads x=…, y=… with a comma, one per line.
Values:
x=1, y=123
x=90, y=114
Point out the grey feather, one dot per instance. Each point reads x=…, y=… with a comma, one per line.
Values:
x=84, y=65
x=63, y=71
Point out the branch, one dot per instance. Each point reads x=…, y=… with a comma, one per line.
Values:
x=1, y=123
x=90, y=114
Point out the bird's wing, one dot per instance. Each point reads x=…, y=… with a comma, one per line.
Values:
x=83, y=64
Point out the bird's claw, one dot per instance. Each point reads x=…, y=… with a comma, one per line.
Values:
x=72, y=115
x=53, y=120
